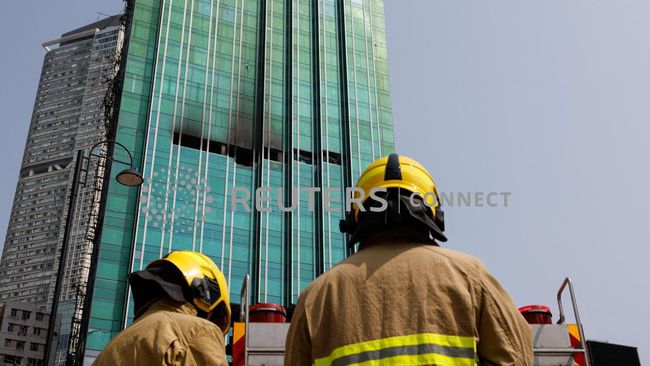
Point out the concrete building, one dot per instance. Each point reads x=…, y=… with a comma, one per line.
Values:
x=69, y=115
x=23, y=330
x=272, y=94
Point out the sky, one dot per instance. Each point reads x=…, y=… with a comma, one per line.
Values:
x=546, y=100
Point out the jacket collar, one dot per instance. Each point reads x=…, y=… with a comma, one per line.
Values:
x=170, y=306
x=398, y=235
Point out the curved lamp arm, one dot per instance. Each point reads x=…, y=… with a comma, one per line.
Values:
x=129, y=177
x=130, y=163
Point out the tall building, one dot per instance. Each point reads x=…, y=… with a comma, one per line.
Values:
x=68, y=115
x=237, y=95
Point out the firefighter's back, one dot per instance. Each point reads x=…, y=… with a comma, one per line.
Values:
x=167, y=334
x=411, y=303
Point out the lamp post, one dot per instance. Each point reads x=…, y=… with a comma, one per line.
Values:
x=128, y=177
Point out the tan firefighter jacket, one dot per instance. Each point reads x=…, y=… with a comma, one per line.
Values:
x=407, y=304
x=166, y=334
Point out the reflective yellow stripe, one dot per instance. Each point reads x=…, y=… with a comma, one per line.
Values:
x=415, y=349
x=419, y=360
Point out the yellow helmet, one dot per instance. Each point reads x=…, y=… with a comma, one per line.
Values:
x=206, y=282
x=402, y=172
x=409, y=177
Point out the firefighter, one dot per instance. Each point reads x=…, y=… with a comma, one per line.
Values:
x=182, y=313
x=402, y=299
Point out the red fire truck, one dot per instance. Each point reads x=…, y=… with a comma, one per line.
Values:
x=260, y=337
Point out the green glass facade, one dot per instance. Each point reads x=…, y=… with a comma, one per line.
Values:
x=245, y=94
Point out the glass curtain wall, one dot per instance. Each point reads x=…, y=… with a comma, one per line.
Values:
x=280, y=98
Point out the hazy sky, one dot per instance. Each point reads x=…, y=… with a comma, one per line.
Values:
x=548, y=100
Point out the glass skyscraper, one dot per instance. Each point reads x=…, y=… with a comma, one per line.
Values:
x=237, y=95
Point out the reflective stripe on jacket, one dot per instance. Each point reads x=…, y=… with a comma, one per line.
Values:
x=404, y=303
x=168, y=333
x=415, y=349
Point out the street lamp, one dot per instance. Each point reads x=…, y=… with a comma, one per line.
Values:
x=128, y=177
